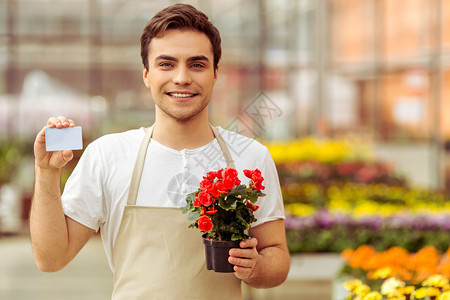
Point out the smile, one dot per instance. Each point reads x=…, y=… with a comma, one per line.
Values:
x=181, y=95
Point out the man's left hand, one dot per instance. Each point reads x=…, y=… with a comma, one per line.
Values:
x=245, y=258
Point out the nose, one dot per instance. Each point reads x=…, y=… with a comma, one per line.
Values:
x=182, y=76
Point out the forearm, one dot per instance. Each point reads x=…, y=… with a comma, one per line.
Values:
x=271, y=268
x=48, y=228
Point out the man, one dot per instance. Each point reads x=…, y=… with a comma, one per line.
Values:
x=149, y=248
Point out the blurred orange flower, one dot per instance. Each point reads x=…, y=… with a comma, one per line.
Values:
x=398, y=262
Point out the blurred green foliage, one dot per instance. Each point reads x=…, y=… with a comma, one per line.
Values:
x=11, y=153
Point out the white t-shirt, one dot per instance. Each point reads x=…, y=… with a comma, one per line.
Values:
x=97, y=190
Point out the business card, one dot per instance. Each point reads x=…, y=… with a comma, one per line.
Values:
x=68, y=138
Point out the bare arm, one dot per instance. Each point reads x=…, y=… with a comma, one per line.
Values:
x=55, y=238
x=265, y=262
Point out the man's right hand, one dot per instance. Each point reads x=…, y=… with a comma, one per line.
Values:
x=55, y=238
x=55, y=159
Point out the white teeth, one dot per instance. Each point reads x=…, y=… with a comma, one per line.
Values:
x=179, y=95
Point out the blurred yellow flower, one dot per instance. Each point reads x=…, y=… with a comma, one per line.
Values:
x=427, y=292
x=361, y=290
x=420, y=293
x=397, y=297
x=433, y=292
x=390, y=286
x=351, y=285
x=444, y=296
x=300, y=209
x=373, y=296
x=364, y=200
x=407, y=290
x=322, y=150
x=382, y=273
x=437, y=281
x=427, y=267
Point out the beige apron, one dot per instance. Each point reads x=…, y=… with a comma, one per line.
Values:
x=156, y=255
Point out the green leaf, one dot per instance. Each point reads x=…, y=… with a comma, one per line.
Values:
x=228, y=202
x=193, y=216
x=238, y=237
x=185, y=209
x=243, y=222
x=237, y=190
x=190, y=197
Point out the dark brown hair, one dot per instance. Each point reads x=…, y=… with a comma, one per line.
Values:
x=180, y=16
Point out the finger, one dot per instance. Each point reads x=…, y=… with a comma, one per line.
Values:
x=60, y=122
x=243, y=253
x=51, y=122
x=249, y=243
x=64, y=121
x=55, y=123
x=62, y=158
x=241, y=262
x=242, y=273
x=67, y=156
x=42, y=131
x=40, y=138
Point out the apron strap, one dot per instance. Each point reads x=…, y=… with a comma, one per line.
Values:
x=140, y=159
x=138, y=167
x=223, y=146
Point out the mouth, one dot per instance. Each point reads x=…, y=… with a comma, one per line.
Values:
x=181, y=95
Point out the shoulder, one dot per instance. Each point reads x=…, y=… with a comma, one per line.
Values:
x=121, y=137
x=116, y=144
x=238, y=143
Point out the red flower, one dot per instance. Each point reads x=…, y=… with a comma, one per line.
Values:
x=224, y=185
x=219, y=174
x=258, y=186
x=206, y=184
x=213, y=190
x=211, y=175
x=254, y=175
x=197, y=202
x=252, y=206
x=204, y=223
x=207, y=202
x=229, y=183
x=256, y=179
x=204, y=198
x=203, y=211
x=232, y=175
x=211, y=210
x=248, y=173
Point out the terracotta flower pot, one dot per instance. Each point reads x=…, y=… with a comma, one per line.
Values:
x=217, y=253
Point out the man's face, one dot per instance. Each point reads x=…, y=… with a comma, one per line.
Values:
x=181, y=75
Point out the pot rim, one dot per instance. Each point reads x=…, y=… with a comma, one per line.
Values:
x=221, y=243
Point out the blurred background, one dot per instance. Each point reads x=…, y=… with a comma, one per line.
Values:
x=349, y=96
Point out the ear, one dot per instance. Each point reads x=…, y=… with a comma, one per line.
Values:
x=145, y=76
x=216, y=73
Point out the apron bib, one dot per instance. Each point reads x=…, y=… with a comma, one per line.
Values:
x=156, y=256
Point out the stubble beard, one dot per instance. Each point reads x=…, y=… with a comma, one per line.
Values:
x=181, y=118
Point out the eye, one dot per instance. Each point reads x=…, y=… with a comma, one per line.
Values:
x=197, y=65
x=165, y=65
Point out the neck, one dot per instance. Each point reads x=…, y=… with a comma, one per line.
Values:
x=180, y=135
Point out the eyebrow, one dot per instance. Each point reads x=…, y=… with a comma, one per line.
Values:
x=197, y=58
x=190, y=59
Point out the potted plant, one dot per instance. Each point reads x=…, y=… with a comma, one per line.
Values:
x=222, y=208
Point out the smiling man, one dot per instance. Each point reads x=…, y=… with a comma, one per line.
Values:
x=131, y=185
x=181, y=75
